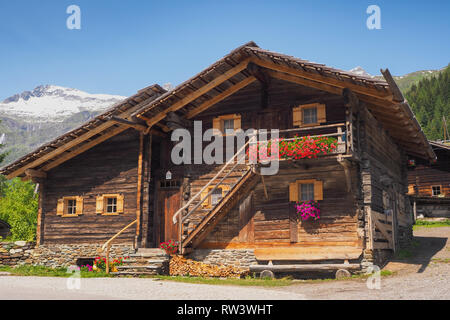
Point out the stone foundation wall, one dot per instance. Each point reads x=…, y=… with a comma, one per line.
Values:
x=16, y=253
x=55, y=255
x=63, y=255
x=242, y=258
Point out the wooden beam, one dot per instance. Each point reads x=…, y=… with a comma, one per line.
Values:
x=74, y=142
x=199, y=92
x=304, y=267
x=83, y=148
x=326, y=80
x=36, y=173
x=128, y=123
x=397, y=94
x=204, y=106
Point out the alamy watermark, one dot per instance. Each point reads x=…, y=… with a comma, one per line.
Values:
x=74, y=281
x=374, y=20
x=73, y=22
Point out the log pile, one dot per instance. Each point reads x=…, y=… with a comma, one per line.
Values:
x=180, y=266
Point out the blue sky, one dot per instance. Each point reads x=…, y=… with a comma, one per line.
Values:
x=124, y=46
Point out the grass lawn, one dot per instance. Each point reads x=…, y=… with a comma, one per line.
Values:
x=431, y=224
x=41, y=271
x=249, y=281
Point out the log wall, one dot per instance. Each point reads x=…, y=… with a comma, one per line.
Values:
x=110, y=167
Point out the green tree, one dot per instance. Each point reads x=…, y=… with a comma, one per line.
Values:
x=18, y=207
x=430, y=102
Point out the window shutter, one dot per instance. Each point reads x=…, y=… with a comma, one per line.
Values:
x=79, y=209
x=321, y=113
x=217, y=124
x=120, y=203
x=237, y=122
x=318, y=190
x=225, y=189
x=297, y=116
x=99, y=205
x=204, y=194
x=60, y=207
x=293, y=191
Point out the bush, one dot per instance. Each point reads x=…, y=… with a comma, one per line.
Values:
x=18, y=207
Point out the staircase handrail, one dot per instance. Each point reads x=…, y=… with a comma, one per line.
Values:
x=174, y=219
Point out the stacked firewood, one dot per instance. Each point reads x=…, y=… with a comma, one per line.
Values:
x=180, y=266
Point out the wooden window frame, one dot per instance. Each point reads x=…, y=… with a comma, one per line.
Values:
x=298, y=111
x=102, y=204
x=218, y=122
x=294, y=189
x=440, y=190
x=207, y=203
x=63, y=205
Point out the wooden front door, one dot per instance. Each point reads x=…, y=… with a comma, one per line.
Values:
x=169, y=201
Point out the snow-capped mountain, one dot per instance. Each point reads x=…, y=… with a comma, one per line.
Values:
x=360, y=72
x=31, y=118
x=54, y=103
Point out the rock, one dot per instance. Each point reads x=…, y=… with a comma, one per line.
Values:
x=20, y=243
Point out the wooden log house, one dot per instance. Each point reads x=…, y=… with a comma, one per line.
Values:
x=116, y=170
x=429, y=183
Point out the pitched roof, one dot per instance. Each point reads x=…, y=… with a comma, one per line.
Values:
x=223, y=78
x=382, y=97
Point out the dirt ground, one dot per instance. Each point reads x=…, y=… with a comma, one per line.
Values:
x=422, y=272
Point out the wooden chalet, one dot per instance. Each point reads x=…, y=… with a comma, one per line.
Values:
x=116, y=172
x=429, y=183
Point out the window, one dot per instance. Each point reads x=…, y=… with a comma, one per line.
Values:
x=69, y=206
x=109, y=204
x=309, y=115
x=215, y=197
x=227, y=122
x=304, y=190
x=435, y=191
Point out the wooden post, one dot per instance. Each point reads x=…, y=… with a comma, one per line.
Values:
x=40, y=218
x=180, y=234
x=415, y=211
x=107, y=257
x=139, y=189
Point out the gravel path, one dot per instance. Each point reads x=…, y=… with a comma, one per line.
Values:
x=426, y=275
x=130, y=288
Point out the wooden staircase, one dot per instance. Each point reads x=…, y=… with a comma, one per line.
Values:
x=146, y=261
x=240, y=189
